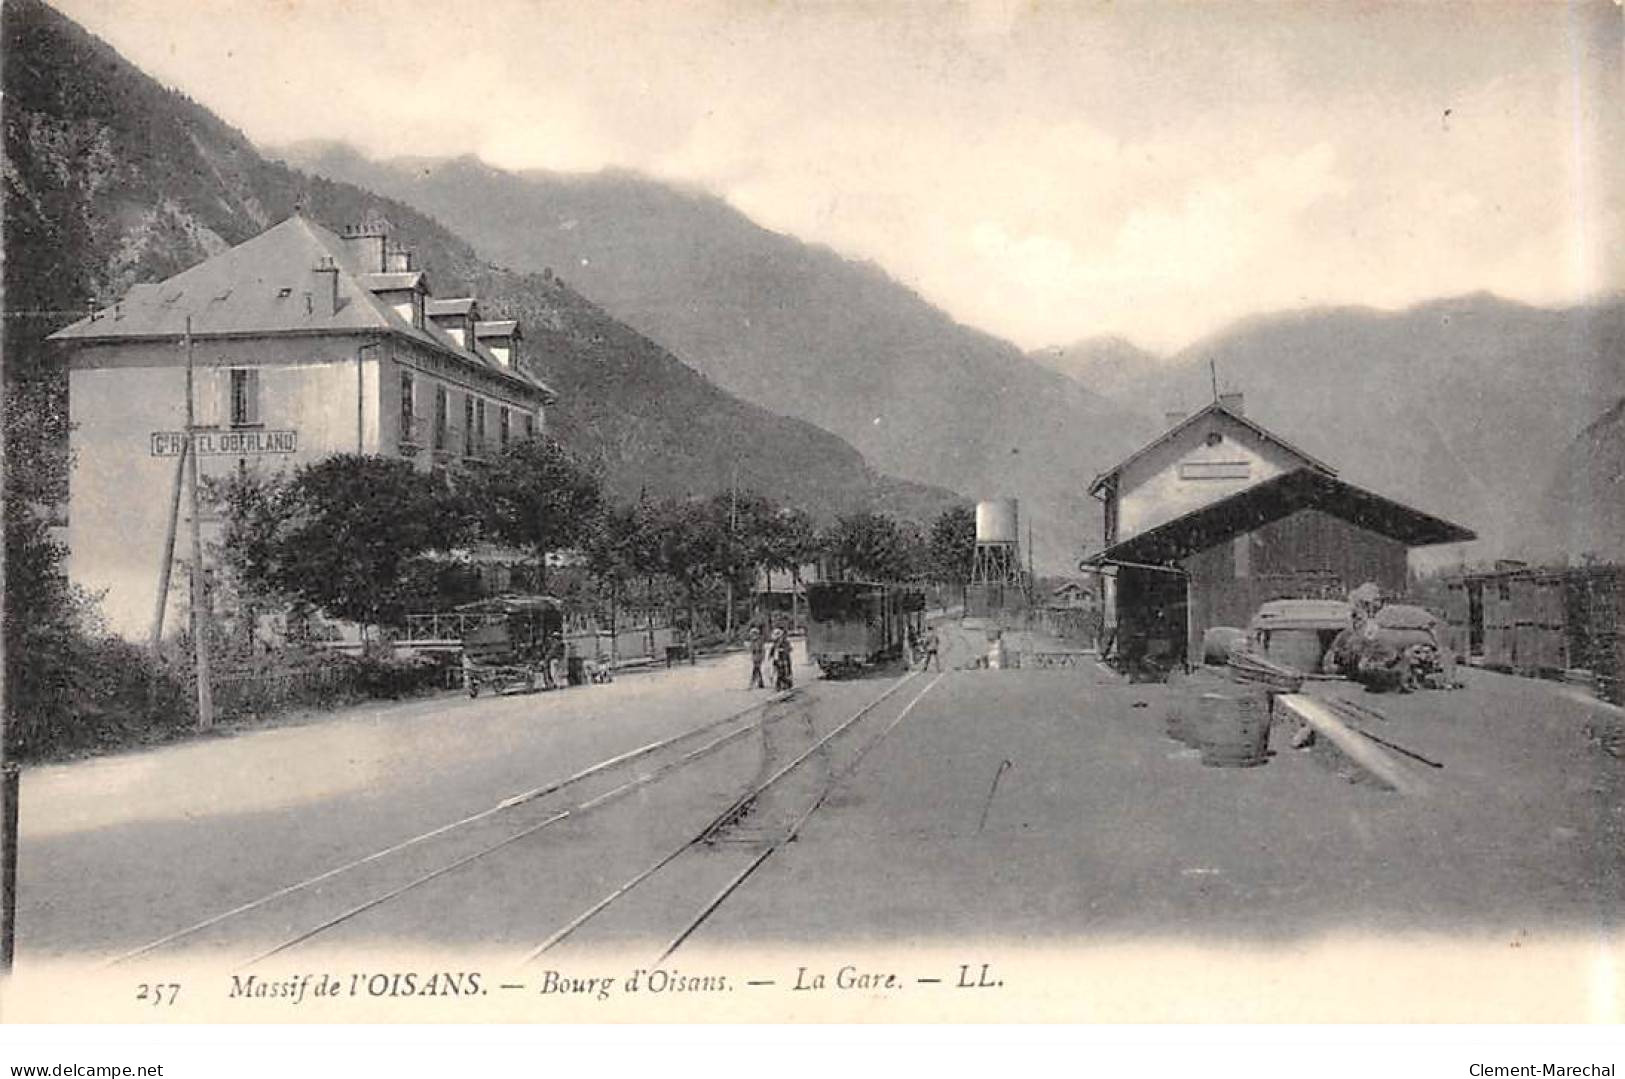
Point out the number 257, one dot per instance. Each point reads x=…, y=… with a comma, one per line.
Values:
x=158, y=994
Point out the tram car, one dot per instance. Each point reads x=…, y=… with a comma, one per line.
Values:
x=505, y=644
x=852, y=625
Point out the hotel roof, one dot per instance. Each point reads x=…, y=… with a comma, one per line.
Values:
x=279, y=282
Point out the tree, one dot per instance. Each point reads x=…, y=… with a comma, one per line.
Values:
x=689, y=548
x=953, y=546
x=748, y=523
x=622, y=547
x=789, y=542
x=914, y=552
x=536, y=495
x=351, y=527
x=252, y=506
x=869, y=546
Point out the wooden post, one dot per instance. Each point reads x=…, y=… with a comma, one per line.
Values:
x=199, y=590
x=165, y=566
x=733, y=542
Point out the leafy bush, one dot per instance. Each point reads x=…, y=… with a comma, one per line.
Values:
x=86, y=693
x=383, y=674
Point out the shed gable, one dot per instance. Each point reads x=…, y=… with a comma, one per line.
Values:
x=1203, y=461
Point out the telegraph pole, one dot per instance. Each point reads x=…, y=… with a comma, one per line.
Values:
x=733, y=529
x=199, y=590
x=10, y=787
x=169, y=548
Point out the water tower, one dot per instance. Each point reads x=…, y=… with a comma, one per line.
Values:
x=998, y=550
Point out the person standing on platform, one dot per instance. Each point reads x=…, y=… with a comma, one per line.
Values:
x=758, y=652
x=782, y=679
x=932, y=644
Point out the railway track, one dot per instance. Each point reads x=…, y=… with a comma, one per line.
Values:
x=299, y=913
x=740, y=721
x=771, y=839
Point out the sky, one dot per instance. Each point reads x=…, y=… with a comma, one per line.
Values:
x=1048, y=172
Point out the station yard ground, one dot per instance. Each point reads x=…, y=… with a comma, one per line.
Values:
x=1035, y=807
x=1030, y=805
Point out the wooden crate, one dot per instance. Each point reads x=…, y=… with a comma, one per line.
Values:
x=1499, y=645
x=1457, y=632
x=1537, y=599
x=1525, y=648
x=1603, y=600
x=1608, y=664
x=1540, y=648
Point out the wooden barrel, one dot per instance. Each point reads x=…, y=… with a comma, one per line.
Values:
x=1296, y=648
x=1185, y=691
x=1233, y=728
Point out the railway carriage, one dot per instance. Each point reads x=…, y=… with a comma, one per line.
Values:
x=853, y=625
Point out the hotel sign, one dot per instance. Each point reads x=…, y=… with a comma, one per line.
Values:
x=226, y=443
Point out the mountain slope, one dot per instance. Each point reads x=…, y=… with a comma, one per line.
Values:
x=1461, y=406
x=1582, y=512
x=1102, y=364
x=790, y=326
x=113, y=179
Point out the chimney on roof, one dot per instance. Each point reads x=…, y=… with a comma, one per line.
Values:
x=1233, y=402
x=327, y=293
x=368, y=245
x=1171, y=417
x=399, y=259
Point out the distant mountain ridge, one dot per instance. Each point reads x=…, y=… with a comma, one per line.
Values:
x=1100, y=363
x=1581, y=514
x=112, y=179
x=791, y=326
x=1460, y=406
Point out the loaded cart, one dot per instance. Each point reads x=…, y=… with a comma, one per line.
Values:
x=505, y=645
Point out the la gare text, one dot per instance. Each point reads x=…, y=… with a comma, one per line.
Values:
x=301, y=988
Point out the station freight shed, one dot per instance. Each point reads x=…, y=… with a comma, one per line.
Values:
x=1302, y=534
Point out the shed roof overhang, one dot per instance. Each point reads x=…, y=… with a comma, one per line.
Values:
x=1303, y=488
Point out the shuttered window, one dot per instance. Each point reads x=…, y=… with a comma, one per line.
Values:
x=245, y=397
x=408, y=407
x=502, y=428
x=440, y=417
x=468, y=425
